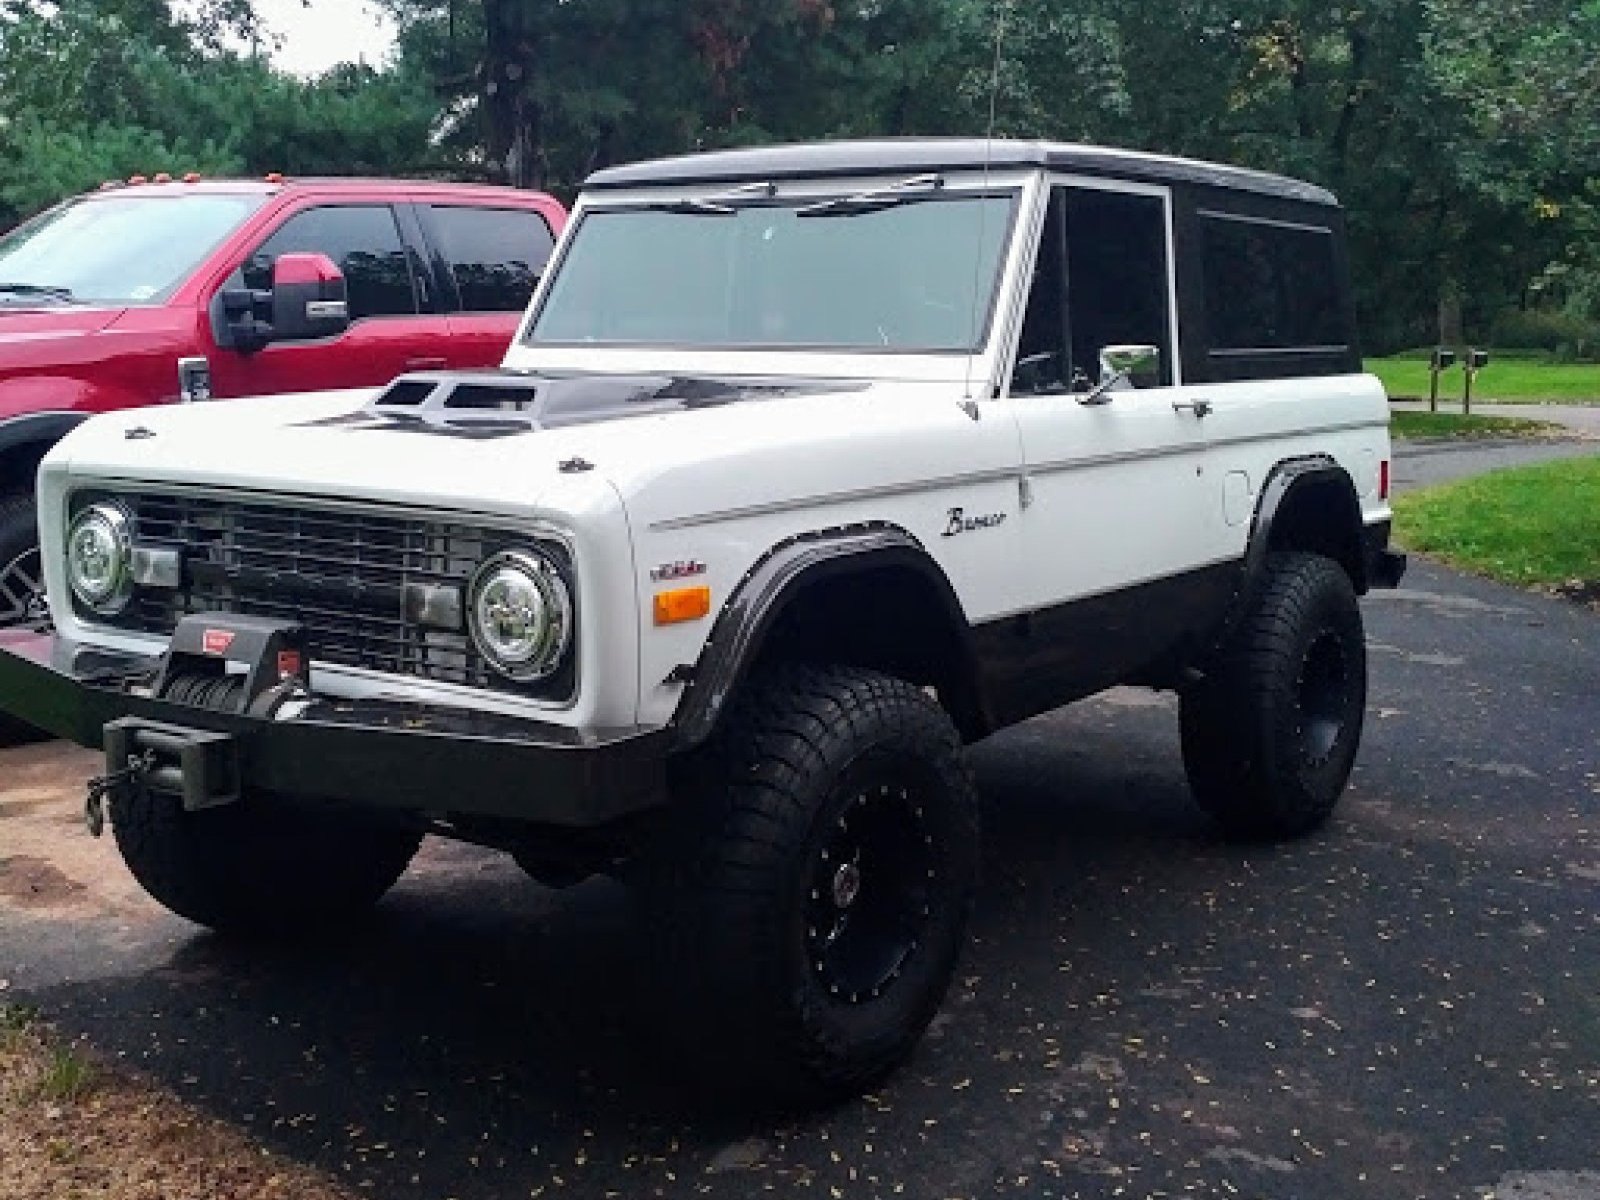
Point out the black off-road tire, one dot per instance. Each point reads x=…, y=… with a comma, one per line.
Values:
x=801, y=981
x=257, y=869
x=1269, y=738
x=19, y=537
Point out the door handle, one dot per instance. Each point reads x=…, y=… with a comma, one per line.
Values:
x=426, y=364
x=1200, y=408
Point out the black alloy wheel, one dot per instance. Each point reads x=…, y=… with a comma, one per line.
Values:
x=21, y=568
x=870, y=897
x=1323, y=696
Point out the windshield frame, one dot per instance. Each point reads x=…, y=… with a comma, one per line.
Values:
x=251, y=201
x=1019, y=187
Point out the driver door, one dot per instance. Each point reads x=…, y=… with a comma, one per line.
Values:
x=390, y=332
x=1123, y=521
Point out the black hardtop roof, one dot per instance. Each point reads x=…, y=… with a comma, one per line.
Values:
x=819, y=159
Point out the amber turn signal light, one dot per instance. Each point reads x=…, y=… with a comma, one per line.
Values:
x=683, y=604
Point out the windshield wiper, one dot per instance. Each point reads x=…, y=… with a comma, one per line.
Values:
x=64, y=295
x=720, y=205
x=877, y=199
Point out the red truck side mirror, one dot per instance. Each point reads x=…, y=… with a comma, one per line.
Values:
x=308, y=298
x=306, y=301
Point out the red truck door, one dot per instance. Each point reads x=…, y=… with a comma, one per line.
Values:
x=397, y=324
x=490, y=260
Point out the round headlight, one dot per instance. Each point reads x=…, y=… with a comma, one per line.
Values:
x=100, y=557
x=521, y=615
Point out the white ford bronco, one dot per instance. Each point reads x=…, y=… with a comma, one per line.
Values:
x=808, y=467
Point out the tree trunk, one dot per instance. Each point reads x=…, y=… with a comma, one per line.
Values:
x=514, y=133
x=1452, y=331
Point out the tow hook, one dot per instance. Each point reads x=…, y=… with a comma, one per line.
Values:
x=105, y=787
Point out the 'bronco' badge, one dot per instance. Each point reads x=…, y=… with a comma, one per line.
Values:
x=961, y=523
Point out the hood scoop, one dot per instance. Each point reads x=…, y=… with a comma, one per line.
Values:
x=487, y=404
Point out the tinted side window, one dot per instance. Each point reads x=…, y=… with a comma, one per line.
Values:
x=1270, y=286
x=1117, y=292
x=1100, y=280
x=363, y=240
x=495, y=254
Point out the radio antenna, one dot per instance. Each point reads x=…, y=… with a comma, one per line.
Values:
x=1004, y=10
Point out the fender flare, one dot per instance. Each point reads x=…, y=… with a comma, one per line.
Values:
x=1287, y=479
x=36, y=430
x=771, y=586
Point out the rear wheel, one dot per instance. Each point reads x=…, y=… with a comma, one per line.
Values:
x=21, y=588
x=1270, y=738
x=813, y=899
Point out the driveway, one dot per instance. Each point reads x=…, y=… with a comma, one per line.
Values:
x=1425, y=462
x=1403, y=1006
x=1582, y=419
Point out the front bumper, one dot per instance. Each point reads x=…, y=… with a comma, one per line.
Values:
x=377, y=753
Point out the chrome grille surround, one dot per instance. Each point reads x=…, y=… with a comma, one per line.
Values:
x=339, y=570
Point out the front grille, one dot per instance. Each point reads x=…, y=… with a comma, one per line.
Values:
x=341, y=574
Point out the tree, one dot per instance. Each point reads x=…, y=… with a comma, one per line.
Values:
x=101, y=89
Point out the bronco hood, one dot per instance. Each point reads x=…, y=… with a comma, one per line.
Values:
x=486, y=442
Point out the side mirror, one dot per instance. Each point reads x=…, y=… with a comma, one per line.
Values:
x=1480, y=359
x=1124, y=366
x=306, y=301
x=1130, y=362
x=308, y=298
x=1443, y=359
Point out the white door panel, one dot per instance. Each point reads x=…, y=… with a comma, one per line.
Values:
x=1121, y=487
x=1121, y=493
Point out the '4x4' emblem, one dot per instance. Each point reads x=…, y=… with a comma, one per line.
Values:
x=961, y=523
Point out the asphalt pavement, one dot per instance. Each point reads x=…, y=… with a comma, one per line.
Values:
x=1423, y=463
x=1406, y=1005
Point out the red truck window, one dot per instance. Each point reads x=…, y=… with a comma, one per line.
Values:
x=496, y=254
x=364, y=240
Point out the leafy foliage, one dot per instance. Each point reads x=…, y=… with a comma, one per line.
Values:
x=101, y=89
x=1462, y=135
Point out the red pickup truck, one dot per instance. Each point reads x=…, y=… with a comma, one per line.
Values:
x=163, y=291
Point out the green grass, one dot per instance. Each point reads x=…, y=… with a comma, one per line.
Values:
x=14, y=1018
x=1535, y=526
x=1403, y=424
x=67, y=1076
x=1507, y=379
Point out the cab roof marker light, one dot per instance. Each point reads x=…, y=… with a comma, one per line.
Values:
x=162, y=177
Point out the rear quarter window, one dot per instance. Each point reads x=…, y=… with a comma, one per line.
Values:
x=1272, y=295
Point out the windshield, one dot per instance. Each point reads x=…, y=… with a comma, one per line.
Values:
x=911, y=275
x=122, y=250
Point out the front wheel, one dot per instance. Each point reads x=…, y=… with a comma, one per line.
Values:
x=819, y=881
x=257, y=868
x=1270, y=737
x=21, y=589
